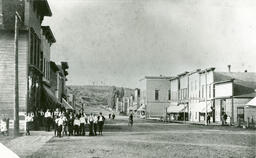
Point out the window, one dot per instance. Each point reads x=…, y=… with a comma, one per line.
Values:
x=209, y=91
x=202, y=91
x=169, y=94
x=156, y=94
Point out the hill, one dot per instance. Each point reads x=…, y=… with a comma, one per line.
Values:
x=89, y=95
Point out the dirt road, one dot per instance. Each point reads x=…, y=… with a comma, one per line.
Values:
x=151, y=139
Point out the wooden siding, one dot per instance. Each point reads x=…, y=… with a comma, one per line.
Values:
x=7, y=72
x=1, y=11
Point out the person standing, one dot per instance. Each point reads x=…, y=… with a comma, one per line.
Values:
x=208, y=119
x=29, y=121
x=113, y=116
x=65, y=124
x=77, y=125
x=131, y=119
x=59, y=122
x=95, y=124
x=70, y=124
x=47, y=117
x=82, y=125
x=109, y=116
x=90, y=122
x=225, y=116
x=101, y=120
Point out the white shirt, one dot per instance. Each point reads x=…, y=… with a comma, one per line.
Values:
x=95, y=119
x=90, y=118
x=60, y=121
x=82, y=120
x=47, y=114
x=100, y=118
x=28, y=118
x=77, y=122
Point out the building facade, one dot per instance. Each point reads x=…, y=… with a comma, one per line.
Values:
x=156, y=99
x=30, y=66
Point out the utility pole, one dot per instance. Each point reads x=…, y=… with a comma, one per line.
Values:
x=16, y=51
x=205, y=97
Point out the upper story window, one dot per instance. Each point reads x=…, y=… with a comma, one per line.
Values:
x=210, y=91
x=156, y=94
x=169, y=94
x=202, y=92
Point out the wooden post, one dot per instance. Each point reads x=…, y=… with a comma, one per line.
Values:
x=16, y=52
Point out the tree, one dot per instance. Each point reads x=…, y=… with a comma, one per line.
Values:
x=122, y=93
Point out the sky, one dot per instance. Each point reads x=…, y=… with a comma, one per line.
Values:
x=118, y=42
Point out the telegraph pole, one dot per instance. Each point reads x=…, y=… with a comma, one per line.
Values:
x=16, y=51
x=205, y=98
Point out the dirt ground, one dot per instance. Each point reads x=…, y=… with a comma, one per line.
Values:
x=154, y=139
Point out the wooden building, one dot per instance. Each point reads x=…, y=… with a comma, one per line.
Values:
x=30, y=65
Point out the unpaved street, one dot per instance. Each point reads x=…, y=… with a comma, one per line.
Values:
x=152, y=139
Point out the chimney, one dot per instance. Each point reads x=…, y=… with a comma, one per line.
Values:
x=245, y=70
x=229, y=68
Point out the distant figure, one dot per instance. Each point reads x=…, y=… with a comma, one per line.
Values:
x=225, y=116
x=101, y=120
x=109, y=116
x=131, y=119
x=208, y=119
x=113, y=116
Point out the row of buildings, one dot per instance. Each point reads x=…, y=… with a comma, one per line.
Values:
x=191, y=96
x=41, y=82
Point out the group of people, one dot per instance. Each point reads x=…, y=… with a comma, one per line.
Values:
x=69, y=123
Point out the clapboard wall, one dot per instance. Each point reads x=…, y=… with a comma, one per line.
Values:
x=7, y=72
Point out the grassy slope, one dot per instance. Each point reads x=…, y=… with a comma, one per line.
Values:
x=94, y=96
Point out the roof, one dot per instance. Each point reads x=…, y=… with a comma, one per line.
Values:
x=195, y=71
x=158, y=77
x=208, y=69
x=244, y=82
x=43, y=7
x=48, y=34
x=248, y=95
x=183, y=74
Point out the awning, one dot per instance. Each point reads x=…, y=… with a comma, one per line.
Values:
x=50, y=98
x=133, y=108
x=142, y=108
x=251, y=103
x=175, y=109
x=66, y=105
